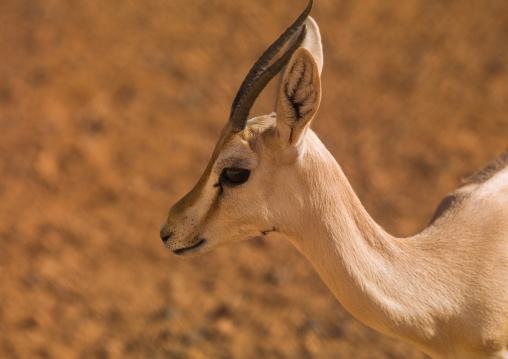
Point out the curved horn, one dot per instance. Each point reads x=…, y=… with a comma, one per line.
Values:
x=259, y=75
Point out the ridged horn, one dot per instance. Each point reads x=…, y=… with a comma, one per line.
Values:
x=259, y=75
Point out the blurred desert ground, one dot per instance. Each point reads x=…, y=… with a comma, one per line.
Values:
x=109, y=111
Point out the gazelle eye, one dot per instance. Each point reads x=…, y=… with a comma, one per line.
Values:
x=234, y=175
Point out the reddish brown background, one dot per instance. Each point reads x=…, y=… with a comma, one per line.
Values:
x=109, y=111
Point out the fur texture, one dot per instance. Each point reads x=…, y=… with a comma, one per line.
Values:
x=443, y=290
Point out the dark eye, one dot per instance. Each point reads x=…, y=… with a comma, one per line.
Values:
x=234, y=175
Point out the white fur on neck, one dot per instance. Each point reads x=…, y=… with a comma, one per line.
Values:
x=406, y=288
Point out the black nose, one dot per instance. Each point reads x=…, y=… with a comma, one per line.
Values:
x=165, y=233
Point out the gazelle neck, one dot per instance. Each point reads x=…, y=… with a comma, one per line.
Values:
x=384, y=281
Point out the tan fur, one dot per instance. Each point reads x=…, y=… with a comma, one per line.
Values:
x=444, y=290
x=489, y=171
x=453, y=200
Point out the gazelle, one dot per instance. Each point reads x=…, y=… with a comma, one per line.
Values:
x=444, y=290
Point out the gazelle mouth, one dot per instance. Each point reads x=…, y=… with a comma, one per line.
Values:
x=188, y=249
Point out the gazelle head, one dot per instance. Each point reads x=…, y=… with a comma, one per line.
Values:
x=250, y=185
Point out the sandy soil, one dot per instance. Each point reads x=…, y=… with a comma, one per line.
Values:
x=109, y=111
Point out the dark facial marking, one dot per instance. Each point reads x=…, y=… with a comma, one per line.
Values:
x=190, y=198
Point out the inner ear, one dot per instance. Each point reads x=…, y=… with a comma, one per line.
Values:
x=299, y=96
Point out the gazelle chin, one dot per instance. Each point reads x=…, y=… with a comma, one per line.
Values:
x=444, y=290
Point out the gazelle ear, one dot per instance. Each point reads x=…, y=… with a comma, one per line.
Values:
x=299, y=97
